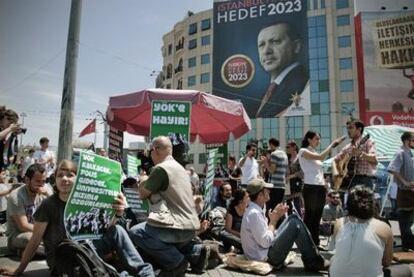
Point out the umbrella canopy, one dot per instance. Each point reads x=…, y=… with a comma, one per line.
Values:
x=387, y=140
x=213, y=118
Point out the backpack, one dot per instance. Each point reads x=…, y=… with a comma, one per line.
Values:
x=217, y=218
x=79, y=259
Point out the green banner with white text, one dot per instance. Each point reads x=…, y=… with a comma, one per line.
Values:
x=171, y=118
x=88, y=211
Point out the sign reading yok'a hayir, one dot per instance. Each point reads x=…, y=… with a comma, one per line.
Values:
x=88, y=211
x=171, y=118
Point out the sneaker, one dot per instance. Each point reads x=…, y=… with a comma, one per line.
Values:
x=202, y=262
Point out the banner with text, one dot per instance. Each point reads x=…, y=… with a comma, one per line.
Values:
x=116, y=144
x=385, y=59
x=138, y=206
x=88, y=211
x=171, y=118
x=208, y=182
x=132, y=166
x=261, y=56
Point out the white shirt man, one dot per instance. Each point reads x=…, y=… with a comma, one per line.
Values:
x=248, y=165
x=45, y=156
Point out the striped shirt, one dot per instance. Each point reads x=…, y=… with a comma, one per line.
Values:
x=280, y=159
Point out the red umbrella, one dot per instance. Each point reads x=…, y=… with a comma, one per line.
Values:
x=212, y=118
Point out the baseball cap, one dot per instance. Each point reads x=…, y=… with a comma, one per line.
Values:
x=257, y=185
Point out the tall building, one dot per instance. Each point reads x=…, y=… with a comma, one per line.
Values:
x=187, y=55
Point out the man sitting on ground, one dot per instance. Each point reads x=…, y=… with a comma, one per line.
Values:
x=260, y=240
x=223, y=197
x=21, y=205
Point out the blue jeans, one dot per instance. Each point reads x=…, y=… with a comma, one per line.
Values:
x=117, y=239
x=293, y=230
x=166, y=247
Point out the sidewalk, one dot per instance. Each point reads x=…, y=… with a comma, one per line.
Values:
x=38, y=268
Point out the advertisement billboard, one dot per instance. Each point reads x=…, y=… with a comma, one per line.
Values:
x=261, y=56
x=385, y=57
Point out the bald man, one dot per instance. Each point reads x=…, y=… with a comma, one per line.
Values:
x=167, y=235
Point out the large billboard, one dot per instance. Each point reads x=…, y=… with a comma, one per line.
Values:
x=385, y=57
x=261, y=56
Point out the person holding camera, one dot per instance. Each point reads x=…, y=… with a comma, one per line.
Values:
x=9, y=129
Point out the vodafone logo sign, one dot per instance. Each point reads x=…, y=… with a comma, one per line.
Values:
x=376, y=120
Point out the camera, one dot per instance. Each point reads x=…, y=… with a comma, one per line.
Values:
x=24, y=130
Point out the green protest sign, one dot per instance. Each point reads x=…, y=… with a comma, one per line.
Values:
x=133, y=163
x=169, y=118
x=222, y=152
x=135, y=203
x=88, y=211
x=208, y=185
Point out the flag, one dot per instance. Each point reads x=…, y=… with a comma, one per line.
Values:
x=89, y=129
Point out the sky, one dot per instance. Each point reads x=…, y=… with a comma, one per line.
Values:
x=120, y=45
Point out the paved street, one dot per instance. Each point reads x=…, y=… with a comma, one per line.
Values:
x=38, y=268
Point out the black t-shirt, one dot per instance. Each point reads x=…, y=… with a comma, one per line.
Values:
x=52, y=211
x=237, y=220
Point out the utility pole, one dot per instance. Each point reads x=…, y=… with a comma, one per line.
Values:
x=105, y=134
x=69, y=83
x=22, y=115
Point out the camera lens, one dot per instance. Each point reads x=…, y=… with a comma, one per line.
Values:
x=24, y=130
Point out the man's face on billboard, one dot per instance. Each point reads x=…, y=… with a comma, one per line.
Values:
x=276, y=48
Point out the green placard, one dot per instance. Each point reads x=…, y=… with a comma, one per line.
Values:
x=222, y=152
x=133, y=163
x=208, y=185
x=170, y=118
x=88, y=211
x=136, y=204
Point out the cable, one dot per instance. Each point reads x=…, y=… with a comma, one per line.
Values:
x=30, y=75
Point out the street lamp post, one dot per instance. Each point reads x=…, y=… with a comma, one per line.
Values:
x=22, y=115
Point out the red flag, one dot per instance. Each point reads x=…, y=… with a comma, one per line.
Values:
x=89, y=129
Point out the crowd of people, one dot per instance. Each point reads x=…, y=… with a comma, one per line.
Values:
x=264, y=205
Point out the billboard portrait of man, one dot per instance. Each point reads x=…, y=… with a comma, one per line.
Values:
x=261, y=56
x=279, y=46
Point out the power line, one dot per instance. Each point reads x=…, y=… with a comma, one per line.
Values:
x=120, y=58
x=34, y=73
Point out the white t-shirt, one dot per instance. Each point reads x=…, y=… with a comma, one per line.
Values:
x=313, y=172
x=250, y=170
x=28, y=161
x=41, y=156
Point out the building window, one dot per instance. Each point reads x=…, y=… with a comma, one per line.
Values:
x=345, y=63
x=204, y=78
x=169, y=49
x=205, y=59
x=192, y=44
x=205, y=24
x=348, y=108
x=205, y=40
x=270, y=128
x=169, y=71
x=202, y=158
x=322, y=4
x=342, y=4
x=294, y=126
x=191, y=81
x=343, y=20
x=192, y=62
x=344, y=41
x=347, y=86
x=192, y=29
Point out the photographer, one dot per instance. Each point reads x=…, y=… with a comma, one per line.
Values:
x=9, y=129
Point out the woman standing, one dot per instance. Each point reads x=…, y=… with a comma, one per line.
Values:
x=295, y=178
x=314, y=191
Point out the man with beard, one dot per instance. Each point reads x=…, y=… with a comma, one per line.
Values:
x=402, y=168
x=363, y=161
x=21, y=205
